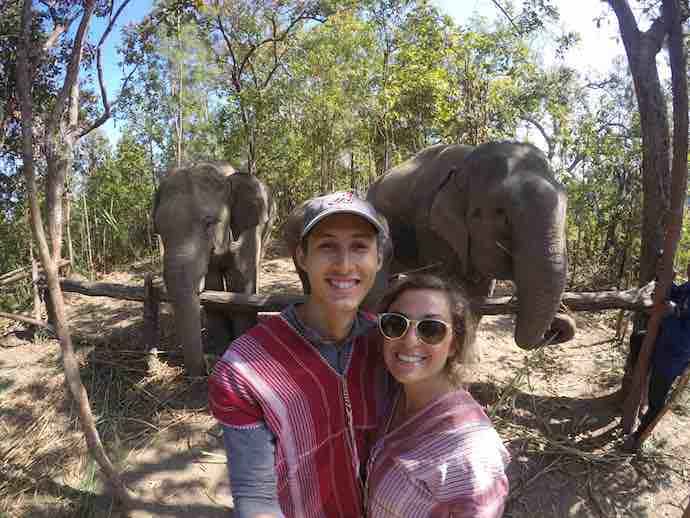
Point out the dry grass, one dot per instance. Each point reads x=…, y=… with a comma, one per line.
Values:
x=44, y=464
x=549, y=450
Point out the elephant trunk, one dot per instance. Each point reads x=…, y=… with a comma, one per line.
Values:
x=540, y=268
x=188, y=331
x=184, y=274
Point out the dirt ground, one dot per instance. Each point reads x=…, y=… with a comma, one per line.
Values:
x=554, y=409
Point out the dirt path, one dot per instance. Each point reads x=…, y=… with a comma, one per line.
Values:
x=553, y=409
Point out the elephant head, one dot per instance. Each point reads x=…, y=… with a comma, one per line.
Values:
x=503, y=215
x=212, y=227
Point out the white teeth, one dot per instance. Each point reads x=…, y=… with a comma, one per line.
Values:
x=410, y=359
x=343, y=284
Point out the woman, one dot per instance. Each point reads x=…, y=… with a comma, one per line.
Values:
x=437, y=454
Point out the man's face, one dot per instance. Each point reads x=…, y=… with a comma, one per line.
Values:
x=341, y=260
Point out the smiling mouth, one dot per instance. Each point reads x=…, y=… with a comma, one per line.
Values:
x=343, y=285
x=406, y=358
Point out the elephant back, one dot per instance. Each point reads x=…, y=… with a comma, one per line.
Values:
x=496, y=161
x=409, y=188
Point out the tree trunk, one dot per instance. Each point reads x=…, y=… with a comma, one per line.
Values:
x=671, y=24
x=641, y=49
x=34, y=284
x=55, y=187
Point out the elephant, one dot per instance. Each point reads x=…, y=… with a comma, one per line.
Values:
x=477, y=214
x=215, y=224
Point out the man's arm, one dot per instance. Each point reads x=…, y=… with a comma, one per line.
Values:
x=251, y=464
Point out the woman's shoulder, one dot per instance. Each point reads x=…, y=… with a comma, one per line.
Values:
x=458, y=433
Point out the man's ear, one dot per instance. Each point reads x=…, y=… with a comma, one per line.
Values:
x=299, y=257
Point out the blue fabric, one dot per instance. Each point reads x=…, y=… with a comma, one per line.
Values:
x=672, y=351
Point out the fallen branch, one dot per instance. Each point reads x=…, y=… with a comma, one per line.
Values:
x=28, y=320
x=21, y=273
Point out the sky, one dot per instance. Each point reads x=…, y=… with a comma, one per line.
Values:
x=598, y=47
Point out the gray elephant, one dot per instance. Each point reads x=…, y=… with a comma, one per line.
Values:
x=480, y=214
x=215, y=224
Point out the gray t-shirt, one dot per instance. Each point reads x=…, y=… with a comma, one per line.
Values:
x=252, y=471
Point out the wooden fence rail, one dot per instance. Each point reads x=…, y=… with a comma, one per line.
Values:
x=632, y=299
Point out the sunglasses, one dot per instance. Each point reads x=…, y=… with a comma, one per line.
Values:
x=429, y=330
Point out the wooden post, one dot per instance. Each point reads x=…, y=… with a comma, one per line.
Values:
x=151, y=316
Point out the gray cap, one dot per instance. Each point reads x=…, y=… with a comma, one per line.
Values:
x=342, y=202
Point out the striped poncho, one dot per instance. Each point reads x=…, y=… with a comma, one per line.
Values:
x=445, y=461
x=324, y=422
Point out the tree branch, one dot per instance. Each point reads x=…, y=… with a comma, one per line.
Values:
x=505, y=13
x=60, y=28
x=233, y=75
x=99, y=67
x=73, y=67
x=542, y=130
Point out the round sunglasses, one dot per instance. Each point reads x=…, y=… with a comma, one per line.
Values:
x=431, y=331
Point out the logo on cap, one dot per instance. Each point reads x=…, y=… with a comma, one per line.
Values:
x=340, y=198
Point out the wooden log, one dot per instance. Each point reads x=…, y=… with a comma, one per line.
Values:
x=634, y=299
x=21, y=273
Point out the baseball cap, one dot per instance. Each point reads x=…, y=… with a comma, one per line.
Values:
x=343, y=202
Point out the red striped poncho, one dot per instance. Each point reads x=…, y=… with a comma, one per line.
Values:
x=324, y=423
x=446, y=461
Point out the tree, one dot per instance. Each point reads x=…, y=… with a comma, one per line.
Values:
x=251, y=40
x=61, y=130
x=641, y=48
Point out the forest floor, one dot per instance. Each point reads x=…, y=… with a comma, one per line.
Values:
x=554, y=408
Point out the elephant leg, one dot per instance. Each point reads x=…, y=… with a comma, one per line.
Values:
x=218, y=331
x=218, y=324
x=244, y=276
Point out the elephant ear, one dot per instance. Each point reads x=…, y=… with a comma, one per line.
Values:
x=447, y=216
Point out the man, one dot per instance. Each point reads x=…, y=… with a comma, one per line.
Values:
x=300, y=394
x=671, y=355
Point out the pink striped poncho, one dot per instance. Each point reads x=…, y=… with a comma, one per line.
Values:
x=445, y=461
x=324, y=423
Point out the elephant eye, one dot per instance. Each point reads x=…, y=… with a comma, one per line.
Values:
x=211, y=220
x=477, y=213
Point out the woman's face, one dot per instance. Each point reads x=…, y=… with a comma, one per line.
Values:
x=410, y=360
